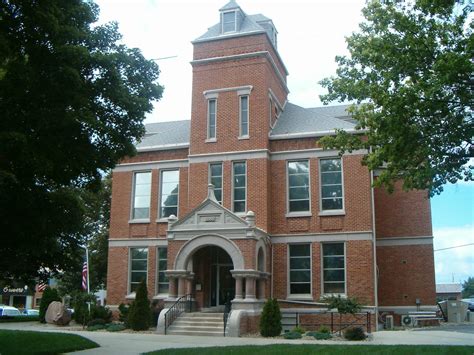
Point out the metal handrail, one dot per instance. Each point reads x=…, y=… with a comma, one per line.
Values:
x=227, y=308
x=182, y=304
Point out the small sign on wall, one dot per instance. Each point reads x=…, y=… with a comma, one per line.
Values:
x=198, y=287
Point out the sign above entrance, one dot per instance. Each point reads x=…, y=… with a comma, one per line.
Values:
x=8, y=290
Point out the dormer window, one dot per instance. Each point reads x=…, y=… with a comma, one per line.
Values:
x=229, y=22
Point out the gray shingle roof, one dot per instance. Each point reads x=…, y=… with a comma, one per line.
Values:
x=296, y=120
x=248, y=25
x=164, y=135
x=448, y=288
x=229, y=6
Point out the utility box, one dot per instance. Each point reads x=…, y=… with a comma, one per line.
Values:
x=457, y=311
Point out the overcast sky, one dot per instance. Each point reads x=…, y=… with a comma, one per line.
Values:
x=311, y=34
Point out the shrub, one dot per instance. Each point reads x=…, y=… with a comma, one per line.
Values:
x=155, y=312
x=95, y=322
x=270, y=321
x=101, y=312
x=115, y=327
x=343, y=305
x=324, y=329
x=298, y=329
x=123, y=313
x=96, y=327
x=139, y=313
x=292, y=335
x=81, y=309
x=49, y=295
x=321, y=336
x=10, y=319
x=355, y=333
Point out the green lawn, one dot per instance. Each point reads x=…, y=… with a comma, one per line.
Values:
x=322, y=349
x=26, y=342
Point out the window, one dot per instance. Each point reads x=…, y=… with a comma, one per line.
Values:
x=215, y=178
x=138, y=267
x=244, y=116
x=239, y=186
x=169, y=196
x=333, y=268
x=162, y=264
x=331, y=184
x=141, y=195
x=298, y=186
x=228, y=22
x=211, y=119
x=300, y=269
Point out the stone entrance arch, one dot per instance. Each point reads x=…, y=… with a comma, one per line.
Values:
x=196, y=243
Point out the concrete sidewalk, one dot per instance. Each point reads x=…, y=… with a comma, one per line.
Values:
x=136, y=343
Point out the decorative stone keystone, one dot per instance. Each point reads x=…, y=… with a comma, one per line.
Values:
x=250, y=218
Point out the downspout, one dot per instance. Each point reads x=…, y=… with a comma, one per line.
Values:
x=376, y=298
x=271, y=277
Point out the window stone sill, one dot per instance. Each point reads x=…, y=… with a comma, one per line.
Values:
x=298, y=214
x=161, y=296
x=299, y=298
x=130, y=296
x=162, y=220
x=244, y=138
x=138, y=221
x=211, y=140
x=332, y=213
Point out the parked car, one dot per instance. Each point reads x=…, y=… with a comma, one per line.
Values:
x=7, y=311
x=470, y=303
x=31, y=312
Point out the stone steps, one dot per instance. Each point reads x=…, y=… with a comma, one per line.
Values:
x=198, y=323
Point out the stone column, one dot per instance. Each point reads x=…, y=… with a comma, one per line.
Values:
x=172, y=291
x=189, y=284
x=250, y=287
x=181, y=285
x=261, y=288
x=238, y=287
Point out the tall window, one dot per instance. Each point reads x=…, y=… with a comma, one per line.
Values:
x=169, y=195
x=141, y=195
x=228, y=22
x=333, y=268
x=331, y=184
x=298, y=186
x=244, y=116
x=162, y=263
x=138, y=267
x=239, y=186
x=215, y=178
x=300, y=269
x=211, y=119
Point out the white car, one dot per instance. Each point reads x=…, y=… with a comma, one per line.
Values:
x=7, y=311
x=31, y=312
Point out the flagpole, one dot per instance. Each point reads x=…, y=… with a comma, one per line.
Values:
x=87, y=262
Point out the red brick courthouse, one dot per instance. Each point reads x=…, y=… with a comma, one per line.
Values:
x=240, y=203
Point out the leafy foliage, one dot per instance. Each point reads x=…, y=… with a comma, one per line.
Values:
x=270, y=321
x=49, y=295
x=81, y=307
x=355, y=333
x=139, y=314
x=343, y=305
x=124, y=309
x=468, y=287
x=73, y=101
x=115, y=327
x=324, y=329
x=410, y=70
x=298, y=329
x=321, y=336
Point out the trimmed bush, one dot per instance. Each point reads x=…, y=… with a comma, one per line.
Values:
x=155, y=311
x=270, y=321
x=96, y=327
x=139, y=314
x=298, y=329
x=355, y=333
x=81, y=309
x=49, y=295
x=10, y=319
x=321, y=336
x=95, y=322
x=123, y=313
x=292, y=335
x=324, y=329
x=101, y=312
x=115, y=327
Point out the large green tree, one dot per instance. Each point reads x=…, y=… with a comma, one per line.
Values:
x=410, y=69
x=72, y=102
x=468, y=287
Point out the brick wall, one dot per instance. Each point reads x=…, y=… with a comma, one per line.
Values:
x=406, y=273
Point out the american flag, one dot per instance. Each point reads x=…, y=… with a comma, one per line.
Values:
x=41, y=287
x=84, y=276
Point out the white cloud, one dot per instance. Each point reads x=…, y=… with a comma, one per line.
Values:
x=457, y=263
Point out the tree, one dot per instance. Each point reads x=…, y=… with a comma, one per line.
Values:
x=468, y=288
x=139, y=314
x=270, y=321
x=72, y=100
x=410, y=70
x=49, y=295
